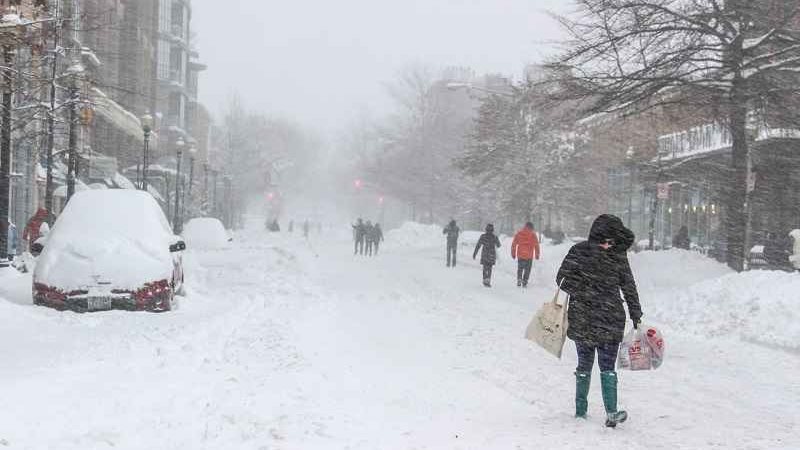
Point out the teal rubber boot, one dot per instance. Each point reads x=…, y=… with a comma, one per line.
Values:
x=608, y=383
x=582, y=382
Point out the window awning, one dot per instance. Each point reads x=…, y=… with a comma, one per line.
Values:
x=117, y=115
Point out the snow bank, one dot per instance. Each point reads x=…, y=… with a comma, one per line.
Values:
x=757, y=306
x=15, y=287
x=420, y=236
x=415, y=235
x=691, y=294
x=674, y=269
x=205, y=233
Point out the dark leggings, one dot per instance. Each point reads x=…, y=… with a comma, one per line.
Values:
x=606, y=360
x=524, y=270
x=487, y=271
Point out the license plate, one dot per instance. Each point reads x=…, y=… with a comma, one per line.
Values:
x=99, y=303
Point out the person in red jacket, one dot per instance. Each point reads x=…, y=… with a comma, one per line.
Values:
x=31, y=232
x=524, y=249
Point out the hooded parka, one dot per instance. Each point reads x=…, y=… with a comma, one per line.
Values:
x=594, y=277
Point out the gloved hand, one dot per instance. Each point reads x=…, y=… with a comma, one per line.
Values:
x=636, y=323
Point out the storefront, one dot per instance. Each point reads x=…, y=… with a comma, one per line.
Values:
x=686, y=185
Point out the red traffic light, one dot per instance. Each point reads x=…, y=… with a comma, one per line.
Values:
x=271, y=196
x=380, y=200
x=358, y=183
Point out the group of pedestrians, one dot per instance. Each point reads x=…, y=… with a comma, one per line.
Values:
x=367, y=237
x=524, y=248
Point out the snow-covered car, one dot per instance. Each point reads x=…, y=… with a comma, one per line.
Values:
x=110, y=249
x=205, y=233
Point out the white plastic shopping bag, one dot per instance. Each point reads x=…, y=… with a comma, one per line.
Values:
x=549, y=326
x=641, y=349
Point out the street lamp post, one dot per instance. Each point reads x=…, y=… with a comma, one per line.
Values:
x=192, y=154
x=147, y=128
x=629, y=162
x=215, y=173
x=73, y=73
x=177, y=220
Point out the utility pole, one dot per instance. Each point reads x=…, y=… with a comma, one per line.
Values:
x=57, y=24
x=72, y=162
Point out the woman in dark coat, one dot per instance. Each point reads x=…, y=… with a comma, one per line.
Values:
x=593, y=273
x=490, y=244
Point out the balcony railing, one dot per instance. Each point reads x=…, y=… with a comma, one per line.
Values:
x=712, y=138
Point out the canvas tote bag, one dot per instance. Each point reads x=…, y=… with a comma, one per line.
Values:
x=549, y=326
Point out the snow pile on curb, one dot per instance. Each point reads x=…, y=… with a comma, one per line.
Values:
x=691, y=294
x=415, y=235
x=674, y=269
x=16, y=287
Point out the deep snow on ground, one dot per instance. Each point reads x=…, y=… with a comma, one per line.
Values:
x=276, y=348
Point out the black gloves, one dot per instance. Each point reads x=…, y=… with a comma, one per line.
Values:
x=636, y=323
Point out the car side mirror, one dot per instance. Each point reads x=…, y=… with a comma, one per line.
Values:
x=177, y=247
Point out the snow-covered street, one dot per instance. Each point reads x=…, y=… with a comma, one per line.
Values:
x=284, y=345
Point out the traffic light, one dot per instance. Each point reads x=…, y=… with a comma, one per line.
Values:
x=358, y=183
x=271, y=196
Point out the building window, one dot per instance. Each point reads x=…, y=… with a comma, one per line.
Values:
x=176, y=64
x=177, y=20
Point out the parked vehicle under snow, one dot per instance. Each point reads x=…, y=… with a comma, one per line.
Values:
x=110, y=249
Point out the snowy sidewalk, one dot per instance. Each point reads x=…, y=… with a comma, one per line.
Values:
x=275, y=348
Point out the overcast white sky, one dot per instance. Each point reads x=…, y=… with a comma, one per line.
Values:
x=319, y=61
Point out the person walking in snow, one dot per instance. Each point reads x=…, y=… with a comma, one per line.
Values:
x=369, y=236
x=593, y=273
x=524, y=248
x=490, y=243
x=451, y=231
x=32, y=230
x=359, y=231
x=377, y=237
x=306, y=228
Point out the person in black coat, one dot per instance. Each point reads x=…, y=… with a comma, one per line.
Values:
x=359, y=234
x=452, y=232
x=594, y=273
x=490, y=243
x=377, y=237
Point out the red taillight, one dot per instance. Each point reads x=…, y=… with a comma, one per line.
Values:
x=156, y=291
x=45, y=293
